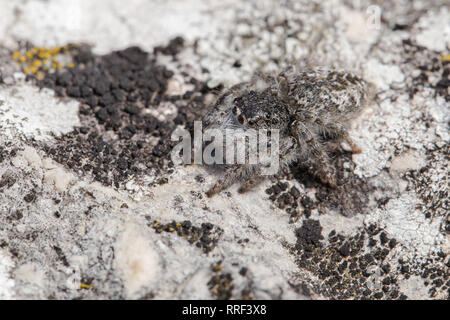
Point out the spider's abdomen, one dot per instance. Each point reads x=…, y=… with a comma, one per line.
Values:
x=322, y=91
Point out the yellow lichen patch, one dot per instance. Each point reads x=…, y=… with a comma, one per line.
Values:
x=15, y=55
x=43, y=55
x=37, y=63
x=85, y=285
x=54, y=50
x=217, y=267
x=445, y=57
x=39, y=59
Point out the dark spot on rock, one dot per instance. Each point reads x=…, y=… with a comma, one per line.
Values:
x=74, y=91
x=132, y=109
x=307, y=202
x=392, y=243
x=345, y=250
x=295, y=193
x=309, y=234
x=205, y=237
x=7, y=180
x=30, y=197
x=17, y=215
x=383, y=238
x=61, y=256
x=243, y=271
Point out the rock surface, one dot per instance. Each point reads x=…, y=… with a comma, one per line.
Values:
x=92, y=207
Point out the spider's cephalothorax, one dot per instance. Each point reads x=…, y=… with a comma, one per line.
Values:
x=308, y=108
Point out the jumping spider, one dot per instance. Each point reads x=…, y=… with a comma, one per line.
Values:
x=310, y=108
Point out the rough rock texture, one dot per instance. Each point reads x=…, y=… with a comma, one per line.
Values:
x=91, y=206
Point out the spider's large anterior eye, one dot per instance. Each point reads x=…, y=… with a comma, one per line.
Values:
x=241, y=119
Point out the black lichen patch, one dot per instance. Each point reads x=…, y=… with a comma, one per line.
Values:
x=430, y=183
x=433, y=70
x=346, y=269
x=221, y=283
x=174, y=47
x=349, y=198
x=119, y=138
x=431, y=186
x=434, y=271
x=204, y=237
x=309, y=235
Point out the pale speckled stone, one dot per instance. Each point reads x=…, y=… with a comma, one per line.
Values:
x=105, y=235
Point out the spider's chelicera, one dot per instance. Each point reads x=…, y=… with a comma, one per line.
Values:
x=306, y=109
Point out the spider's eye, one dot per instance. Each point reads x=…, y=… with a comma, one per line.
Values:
x=235, y=110
x=241, y=119
x=267, y=115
